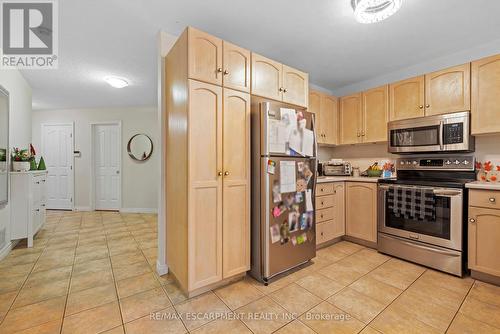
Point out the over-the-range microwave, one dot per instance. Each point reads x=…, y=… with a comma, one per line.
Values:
x=440, y=133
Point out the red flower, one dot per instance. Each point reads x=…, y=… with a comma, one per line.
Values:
x=488, y=166
x=498, y=168
x=479, y=165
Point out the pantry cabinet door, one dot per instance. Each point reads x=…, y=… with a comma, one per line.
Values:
x=236, y=183
x=314, y=107
x=375, y=114
x=266, y=77
x=350, y=119
x=485, y=108
x=236, y=74
x=406, y=99
x=448, y=90
x=339, y=209
x=484, y=240
x=295, y=86
x=361, y=210
x=329, y=119
x=204, y=57
x=205, y=185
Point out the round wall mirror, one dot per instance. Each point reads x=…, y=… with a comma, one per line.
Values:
x=140, y=147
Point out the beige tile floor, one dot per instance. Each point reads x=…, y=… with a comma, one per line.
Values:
x=94, y=273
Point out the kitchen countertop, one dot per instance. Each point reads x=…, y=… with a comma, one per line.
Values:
x=325, y=179
x=482, y=185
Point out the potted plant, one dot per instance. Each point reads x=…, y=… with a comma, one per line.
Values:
x=21, y=160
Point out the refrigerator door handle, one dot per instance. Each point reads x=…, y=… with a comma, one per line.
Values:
x=315, y=174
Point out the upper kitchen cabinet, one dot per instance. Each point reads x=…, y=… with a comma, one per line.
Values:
x=375, y=108
x=295, y=86
x=485, y=106
x=212, y=60
x=350, y=119
x=448, y=90
x=267, y=77
x=204, y=57
x=406, y=98
x=236, y=68
x=325, y=107
x=279, y=82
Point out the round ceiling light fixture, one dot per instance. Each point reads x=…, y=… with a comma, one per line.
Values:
x=116, y=82
x=372, y=11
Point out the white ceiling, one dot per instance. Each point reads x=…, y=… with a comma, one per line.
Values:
x=103, y=37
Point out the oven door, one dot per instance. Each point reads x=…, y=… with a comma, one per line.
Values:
x=444, y=231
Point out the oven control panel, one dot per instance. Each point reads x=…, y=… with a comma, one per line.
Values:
x=464, y=162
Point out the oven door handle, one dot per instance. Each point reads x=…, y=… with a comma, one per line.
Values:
x=447, y=193
x=441, y=135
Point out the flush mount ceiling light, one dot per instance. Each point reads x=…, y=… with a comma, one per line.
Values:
x=372, y=11
x=116, y=82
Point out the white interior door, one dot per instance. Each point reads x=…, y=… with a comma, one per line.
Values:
x=57, y=151
x=107, y=166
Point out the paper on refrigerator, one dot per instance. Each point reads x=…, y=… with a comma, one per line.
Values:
x=309, y=203
x=307, y=142
x=277, y=136
x=289, y=119
x=287, y=177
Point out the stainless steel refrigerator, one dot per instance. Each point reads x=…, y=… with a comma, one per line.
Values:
x=284, y=165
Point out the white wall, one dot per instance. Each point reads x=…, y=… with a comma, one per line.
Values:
x=140, y=180
x=19, y=131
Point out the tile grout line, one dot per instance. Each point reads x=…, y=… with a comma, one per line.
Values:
x=70, y=277
x=458, y=309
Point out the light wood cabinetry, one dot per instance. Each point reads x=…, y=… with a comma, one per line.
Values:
x=236, y=68
x=375, y=106
x=407, y=98
x=350, y=120
x=485, y=106
x=205, y=56
x=279, y=82
x=484, y=232
x=325, y=107
x=448, y=90
x=361, y=210
x=330, y=217
x=207, y=176
x=212, y=60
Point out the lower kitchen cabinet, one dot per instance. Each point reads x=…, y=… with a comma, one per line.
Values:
x=361, y=210
x=484, y=231
x=330, y=218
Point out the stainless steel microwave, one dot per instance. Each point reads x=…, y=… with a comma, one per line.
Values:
x=440, y=133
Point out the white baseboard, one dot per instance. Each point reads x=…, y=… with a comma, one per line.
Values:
x=161, y=268
x=138, y=210
x=7, y=248
x=83, y=208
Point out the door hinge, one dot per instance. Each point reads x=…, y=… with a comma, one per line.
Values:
x=71, y=167
x=71, y=200
x=71, y=135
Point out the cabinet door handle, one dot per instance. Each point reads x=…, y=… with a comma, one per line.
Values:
x=427, y=105
x=226, y=173
x=219, y=70
x=219, y=174
x=285, y=90
x=226, y=72
x=421, y=107
x=281, y=89
x=321, y=215
x=492, y=200
x=472, y=220
x=322, y=203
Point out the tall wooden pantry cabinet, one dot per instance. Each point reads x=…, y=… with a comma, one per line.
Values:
x=208, y=161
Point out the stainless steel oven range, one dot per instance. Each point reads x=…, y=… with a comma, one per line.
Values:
x=422, y=212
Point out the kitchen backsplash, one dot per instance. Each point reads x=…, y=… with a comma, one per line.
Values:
x=363, y=155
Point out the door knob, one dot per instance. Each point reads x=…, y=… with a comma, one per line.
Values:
x=492, y=200
x=219, y=173
x=117, y=172
x=226, y=72
x=226, y=173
